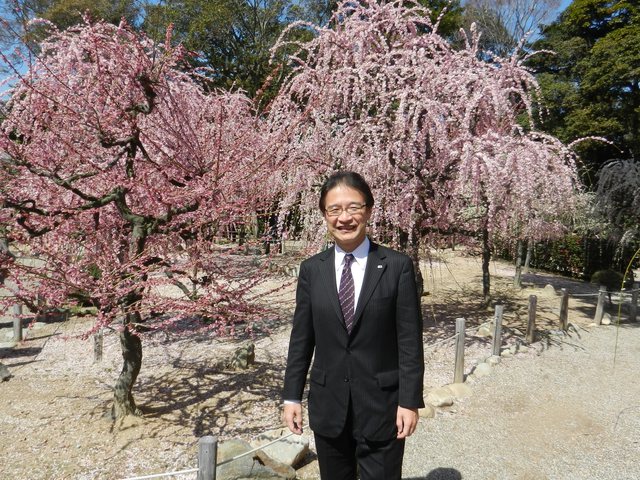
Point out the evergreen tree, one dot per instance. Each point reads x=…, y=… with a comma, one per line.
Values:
x=591, y=86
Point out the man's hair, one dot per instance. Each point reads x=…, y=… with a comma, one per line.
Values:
x=348, y=179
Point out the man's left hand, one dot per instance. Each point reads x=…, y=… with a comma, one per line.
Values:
x=406, y=421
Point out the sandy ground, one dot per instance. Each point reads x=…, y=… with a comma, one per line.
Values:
x=53, y=422
x=572, y=412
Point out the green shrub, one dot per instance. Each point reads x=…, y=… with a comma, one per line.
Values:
x=612, y=279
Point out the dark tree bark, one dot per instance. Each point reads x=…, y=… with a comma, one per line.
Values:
x=517, y=279
x=527, y=259
x=123, y=401
x=130, y=343
x=413, y=250
x=486, y=259
x=418, y=273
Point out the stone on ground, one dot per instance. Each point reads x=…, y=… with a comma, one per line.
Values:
x=254, y=465
x=460, y=390
x=484, y=331
x=290, y=451
x=427, y=412
x=493, y=360
x=440, y=397
x=482, y=370
x=243, y=357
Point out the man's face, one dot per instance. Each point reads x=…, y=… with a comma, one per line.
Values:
x=348, y=230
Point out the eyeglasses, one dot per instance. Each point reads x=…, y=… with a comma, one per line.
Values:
x=352, y=209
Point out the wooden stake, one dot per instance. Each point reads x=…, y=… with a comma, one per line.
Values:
x=600, y=307
x=17, y=323
x=207, y=457
x=531, y=325
x=458, y=375
x=564, y=310
x=497, y=330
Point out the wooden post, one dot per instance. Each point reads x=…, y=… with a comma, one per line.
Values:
x=17, y=323
x=207, y=457
x=600, y=308
x=458, y=375
x=564, y=309
x=531, y=325
x=633, y=310
x=497, y=330
x=97, y=346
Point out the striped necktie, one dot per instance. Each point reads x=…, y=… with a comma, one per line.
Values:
x=347, y=292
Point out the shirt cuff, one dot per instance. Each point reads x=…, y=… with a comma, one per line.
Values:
x=292, y=402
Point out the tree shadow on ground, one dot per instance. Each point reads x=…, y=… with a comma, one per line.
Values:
x=17, y=352
x=440, y=317
x=541, y=279
x=274, y=320
x=212, y=399
x=620, y=305
x=440, y=473
x=48, y=317
x=466, y=301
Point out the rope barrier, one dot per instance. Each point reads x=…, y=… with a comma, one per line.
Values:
x=615, y=292
x=441, y=341
x=626, y=293
x=193, y=470
x=159, y=475
x=254, y=450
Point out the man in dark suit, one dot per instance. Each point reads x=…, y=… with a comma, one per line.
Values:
x=358, y=316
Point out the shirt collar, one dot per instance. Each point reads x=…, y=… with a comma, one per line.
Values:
x=359, y=254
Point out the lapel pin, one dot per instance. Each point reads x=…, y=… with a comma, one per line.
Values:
x=379, y=266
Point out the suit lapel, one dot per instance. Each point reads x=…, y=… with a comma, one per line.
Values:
x=328, y=270
x=372, y=274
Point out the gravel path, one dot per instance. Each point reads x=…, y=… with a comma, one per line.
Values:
x=567, y=413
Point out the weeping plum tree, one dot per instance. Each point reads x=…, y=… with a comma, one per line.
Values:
x=515, y=187
x=119, y=172
x=434, y=129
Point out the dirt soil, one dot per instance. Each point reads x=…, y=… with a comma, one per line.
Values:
x=54, y=411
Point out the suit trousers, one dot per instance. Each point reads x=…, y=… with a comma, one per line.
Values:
x=349, y=454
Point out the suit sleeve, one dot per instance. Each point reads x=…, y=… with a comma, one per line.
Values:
x=410, y=346
x=302, y=340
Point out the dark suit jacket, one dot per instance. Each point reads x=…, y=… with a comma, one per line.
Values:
x=379, y=366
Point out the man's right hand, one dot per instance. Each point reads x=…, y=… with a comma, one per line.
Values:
x=293, y=417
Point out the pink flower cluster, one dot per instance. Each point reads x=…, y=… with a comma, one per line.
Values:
x=433, y=128
x=121, y=172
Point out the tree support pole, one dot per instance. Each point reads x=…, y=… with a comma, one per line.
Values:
x=531, y=324
x=458, y=376
x=600, y=307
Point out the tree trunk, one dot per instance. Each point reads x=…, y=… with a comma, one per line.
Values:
x=123, y=401
x=4, y=248
x=517, y=279
x=486, y=259
x=412, y=248
x=242, y=236
x=418, y=273
x=527, y=259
